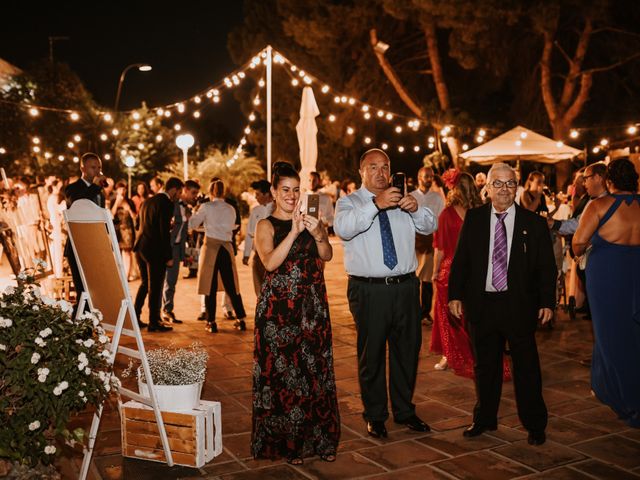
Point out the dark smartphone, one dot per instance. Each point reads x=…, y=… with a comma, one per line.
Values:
x=398, y=180
x=313, y=205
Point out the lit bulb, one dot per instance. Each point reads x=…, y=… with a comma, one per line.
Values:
x=445, y=140
x=261, y=83
x=632, y=130
x=307, y=80
x=149, y=122
x=389, y=116
x=74, y=116
x=256, y=101
x=36, y=140
x=247, y=131
x=431, y=140
x=71, y=144
x=302, y=73
x=431, y=146
x=76, y=159
x=350, y=130
x=158, y=138
x=107, y=156
x=196, y=114
x=559, y=144
x=482, y=132
x=103, y=137
x=523, y=134
x=241, y=74
x=574, y=134
x=401, y=149
x=197, y=99
x=34, y=112
x=108, y=118
x=77, y=138
x=398, y=129
x=160, y=112
x=343, y=99
x=336, y=99
x=293, y=68
x=181, y=107
x=367, y=116
x=479, y=139
x=278, y=58
x=177, y=127
x=2, y=151
x=243, y=141
x=252, y=117
x=141, y=146
x=167, y=113
x=518, y=143
x=596, y=149
x=236, y=80
x=380, y=113
x=604, y=142
x=61, y=157
x=367, y=140
x=365, y=108
x=216, y=99
x=416, y=148
x=332, y=118
x=384, y=146
x=325, y=88
x=352, y=101
x=295, y=82
x=36, y=149
x=136, y=126
x=465, y=147
x=135, y=116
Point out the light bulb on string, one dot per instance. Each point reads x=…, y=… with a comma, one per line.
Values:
x=115, y=132
x=632, y=130
x=181, y=107
x=61, y=158
x=216, y=99
x=295, y=82
x=416, y=149
x=523, y=135
x=325, y=89
x=34, y=112
x=141, y=146
x=465, y=147
x=431, y=139
x=431, y=146
x=365, y=108
x=107, y=156
x=149, y=122
x=160, y=112
x=367, y=140
x=398, y=129
x=197, y=99
x=47, y=155
x=3, y=150
x=107, y=118
x=336, y=99
x=380, y=113
x=196, y=114
x=384, y=146
x=135, y=115
x=77, y=138
x=604, y=142
x=241, y=74
x=252, y=117
x=389, y=116
x=343, y=99
x=559, y=144
x=261, y=83
x=177, y=127
x=103, y=137
x=293, y=68
x=76, y=159
x=136, y=126
x=307, y=79
x=479, y=139
x=332, y=118
x=482, y=132
x=367, y=115
x=401, y=149
x=158, y=138
x=350, y=130
x=518, y=143
x=302, y=73
x=574, y=134
x=247, y=131
x=74, y=116
x=71, y=144
x=36, y=140
x=256, y=101
x=36, y=149
x=352, y=101
x=596, y=150
x=167, y=113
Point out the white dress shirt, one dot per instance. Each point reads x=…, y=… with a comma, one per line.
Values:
x=259, y=212
x=432, y=200
x=509, y=222
x=357, y=224
x=219, y=219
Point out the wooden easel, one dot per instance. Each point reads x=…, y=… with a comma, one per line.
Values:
x=95, y=246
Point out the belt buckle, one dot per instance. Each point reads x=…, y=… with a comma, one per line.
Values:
x=387, y=279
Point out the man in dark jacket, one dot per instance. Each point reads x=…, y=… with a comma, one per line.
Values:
x=154, y=251
x=504, y=276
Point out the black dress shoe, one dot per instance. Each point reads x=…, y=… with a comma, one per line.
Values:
x=476, y=429
x=240, y=325
x=170, y=317
x=414, y=423
x=377, y=429
x=536, y=437
x=212, y=327
x=159, y=327
x=203, y=316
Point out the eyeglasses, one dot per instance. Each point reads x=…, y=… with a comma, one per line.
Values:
x=499, y=184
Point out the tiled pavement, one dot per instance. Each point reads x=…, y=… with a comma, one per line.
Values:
x=585, y=440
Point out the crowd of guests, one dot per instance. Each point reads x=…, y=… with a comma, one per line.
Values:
x=482, y=247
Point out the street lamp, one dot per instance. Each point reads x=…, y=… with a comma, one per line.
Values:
x=130, y=162
x=184, y=143
x=143, y=67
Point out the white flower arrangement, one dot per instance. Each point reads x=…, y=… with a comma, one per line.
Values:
x=175, y=366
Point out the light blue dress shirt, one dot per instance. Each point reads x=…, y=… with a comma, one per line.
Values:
x=356, y=223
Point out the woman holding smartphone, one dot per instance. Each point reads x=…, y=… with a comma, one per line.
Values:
x=295, y=407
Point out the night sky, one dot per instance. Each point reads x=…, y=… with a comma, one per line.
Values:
x=186, y=44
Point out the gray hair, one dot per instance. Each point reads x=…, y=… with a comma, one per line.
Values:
x=500, y=166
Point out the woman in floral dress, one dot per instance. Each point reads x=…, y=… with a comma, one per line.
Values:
x=295, y=407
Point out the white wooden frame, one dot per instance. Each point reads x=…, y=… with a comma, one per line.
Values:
x=87, y=212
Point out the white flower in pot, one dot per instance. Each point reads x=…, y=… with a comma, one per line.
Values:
x=178, y=375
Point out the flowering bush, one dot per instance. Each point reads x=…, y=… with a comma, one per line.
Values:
x=177, y=366
x=50, y=367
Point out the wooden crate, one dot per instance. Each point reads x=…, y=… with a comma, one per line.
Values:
x=195, y=437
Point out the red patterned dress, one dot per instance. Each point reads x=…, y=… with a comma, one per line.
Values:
x=295, y=407
x=449, y=336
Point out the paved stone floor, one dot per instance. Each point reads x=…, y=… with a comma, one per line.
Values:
x=585, y=440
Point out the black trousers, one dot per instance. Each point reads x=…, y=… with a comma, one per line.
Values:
x=77, y=280
x=223, y=266
x=387, y=314
x=426, y=295
x=152, y=273
x=488, y=336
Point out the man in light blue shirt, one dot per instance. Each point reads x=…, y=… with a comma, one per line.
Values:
x=377, y=224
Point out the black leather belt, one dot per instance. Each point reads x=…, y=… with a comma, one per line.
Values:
x=385, y=280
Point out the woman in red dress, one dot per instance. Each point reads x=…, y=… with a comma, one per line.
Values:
x=449, y=336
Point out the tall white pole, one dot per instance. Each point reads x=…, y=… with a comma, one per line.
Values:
x=185, y=163
x=269, y=59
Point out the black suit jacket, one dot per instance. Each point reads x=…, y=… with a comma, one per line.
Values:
x=153, y=239
x=531, y=276
x=79, y=190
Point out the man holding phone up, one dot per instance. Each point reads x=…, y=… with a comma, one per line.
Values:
x=378, y=223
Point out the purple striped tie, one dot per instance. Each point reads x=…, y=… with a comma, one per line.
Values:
x=499, y=257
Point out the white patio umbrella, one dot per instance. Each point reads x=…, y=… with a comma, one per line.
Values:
x=307, y=131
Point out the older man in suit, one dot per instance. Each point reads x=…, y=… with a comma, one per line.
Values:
x=154, y=251
x=89, y=186
x=504, y=276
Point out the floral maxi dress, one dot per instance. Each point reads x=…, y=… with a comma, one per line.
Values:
x=295, y=407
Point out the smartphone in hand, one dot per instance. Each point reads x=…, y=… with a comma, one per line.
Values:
x=313, y=205
x=398, y=180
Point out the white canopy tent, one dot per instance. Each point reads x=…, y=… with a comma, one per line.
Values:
x=307, y=131
x=521, y=143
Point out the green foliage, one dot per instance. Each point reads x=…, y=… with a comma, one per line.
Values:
x=237, y=175
x=51, y=366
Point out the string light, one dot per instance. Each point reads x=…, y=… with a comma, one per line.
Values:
x=36, y=140
x=103, y=137
x=77, y=138
x=632, y=130
x=107, y=156
x=350, y=130
x=74, y=116
x=574, y=133
x=604, y=142
x=34, y=112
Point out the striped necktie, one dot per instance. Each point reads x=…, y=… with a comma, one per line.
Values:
x=499, y=256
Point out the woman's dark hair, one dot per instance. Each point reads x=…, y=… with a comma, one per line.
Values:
x=146, y=189
x=282, y=170
x=623, y=175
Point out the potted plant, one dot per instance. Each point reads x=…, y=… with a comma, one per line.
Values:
x=178, y=375
x=51, y=366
